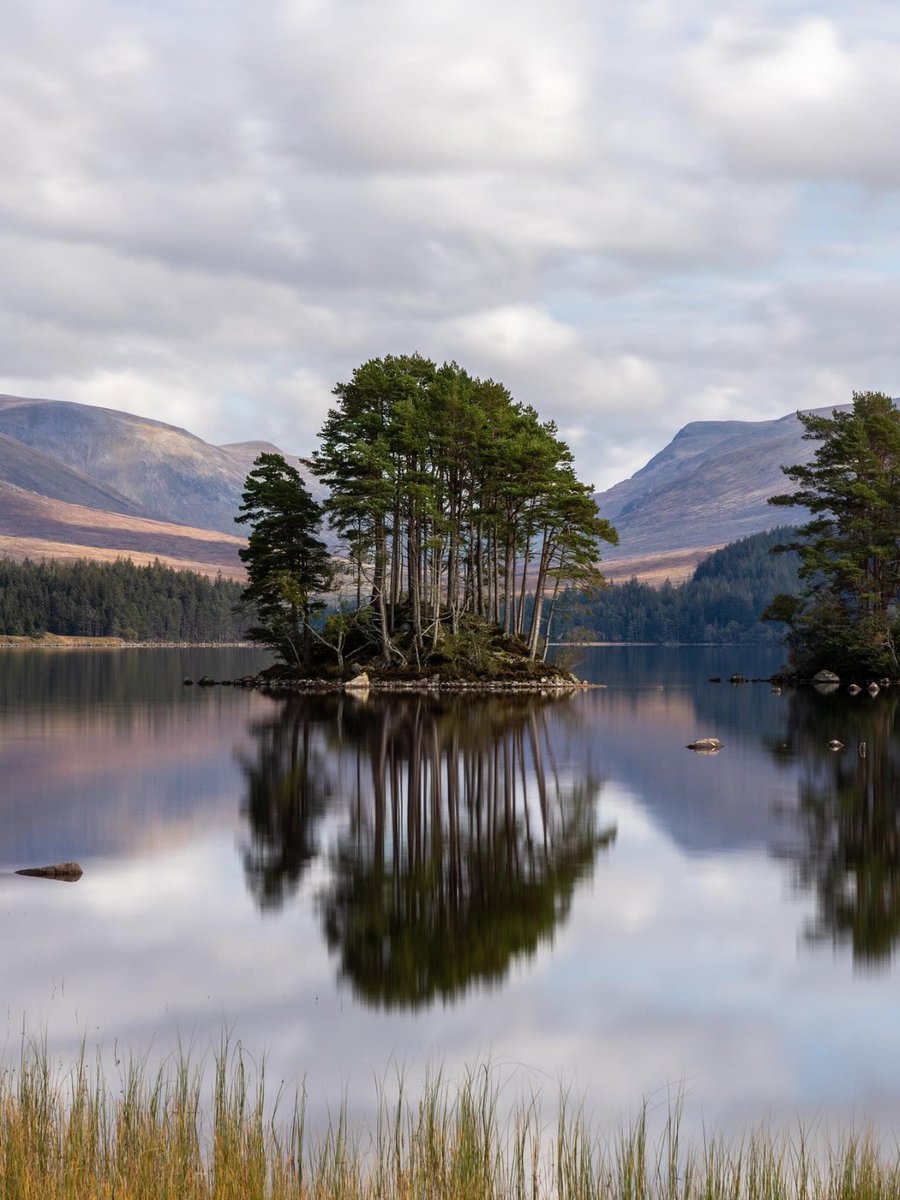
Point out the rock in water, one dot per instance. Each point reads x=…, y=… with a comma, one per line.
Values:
x=826, y=677
x=706, y=745
x=67, y=871
x=358, y=681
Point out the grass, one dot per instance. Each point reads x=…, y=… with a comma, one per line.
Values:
x=187, y=1133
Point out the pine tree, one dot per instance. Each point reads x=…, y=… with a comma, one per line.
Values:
x=287, y=564
x=850, y=549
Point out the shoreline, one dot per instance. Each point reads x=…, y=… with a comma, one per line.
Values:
x=59, y=641
x=415, y=687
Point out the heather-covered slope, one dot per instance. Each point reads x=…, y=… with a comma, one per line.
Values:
x=23, y=467
x=167, y=472
x=709, y=486
x=37, y=527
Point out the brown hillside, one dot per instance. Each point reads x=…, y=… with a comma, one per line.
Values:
x=675, y=565
x=33, y=526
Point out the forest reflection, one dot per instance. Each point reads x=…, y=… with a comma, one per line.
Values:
x=846, y=843
x=451, y=837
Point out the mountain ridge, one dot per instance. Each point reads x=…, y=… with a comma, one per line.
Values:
x=708, y=486
x=122, y=473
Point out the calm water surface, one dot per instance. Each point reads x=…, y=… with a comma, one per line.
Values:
x=560, y=886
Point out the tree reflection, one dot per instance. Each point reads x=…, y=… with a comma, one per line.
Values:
x=457, y=840
x=289, y=787
x=848, y=852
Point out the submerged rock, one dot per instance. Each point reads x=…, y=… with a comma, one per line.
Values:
x=67, y=871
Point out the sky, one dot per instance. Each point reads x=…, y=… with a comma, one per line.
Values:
x=635, y=213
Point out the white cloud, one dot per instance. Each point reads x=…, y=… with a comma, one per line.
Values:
x=633, y=215
x=806, y=100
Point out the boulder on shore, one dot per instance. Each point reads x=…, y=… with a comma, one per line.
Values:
x=359, y=681
x=826, y=677
x=68, y=871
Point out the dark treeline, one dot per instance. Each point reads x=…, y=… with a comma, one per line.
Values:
x=721, y=603
x=119, y=599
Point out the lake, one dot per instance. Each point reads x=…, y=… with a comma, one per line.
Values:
x=356, y=888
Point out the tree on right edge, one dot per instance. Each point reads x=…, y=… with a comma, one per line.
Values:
x=846, y=618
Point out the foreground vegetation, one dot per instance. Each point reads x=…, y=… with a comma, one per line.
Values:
x=68, y=1135
x=89, y=599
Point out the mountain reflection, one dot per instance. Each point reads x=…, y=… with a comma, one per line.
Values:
x=848, y=820
x=454, y=844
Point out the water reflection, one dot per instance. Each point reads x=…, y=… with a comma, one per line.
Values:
x=289, y=785
x=848, y=820
x=456, y=844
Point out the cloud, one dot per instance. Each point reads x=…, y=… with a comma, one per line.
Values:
x=633, y=215
x=806, y=100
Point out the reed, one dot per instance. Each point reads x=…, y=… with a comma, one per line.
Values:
x=188, y=1133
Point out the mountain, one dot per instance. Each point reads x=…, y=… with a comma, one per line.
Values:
x=97, y=482
x=80, y=481
x=30, y=470
x=169, y=473
x=708, y=487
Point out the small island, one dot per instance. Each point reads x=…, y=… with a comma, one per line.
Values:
x=458, y=521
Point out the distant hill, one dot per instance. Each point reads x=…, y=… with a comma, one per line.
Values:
x=708, y=487
x=125, y=474
x=169, y=473
x=35, y=526
x=79, y=481
x=23, y=467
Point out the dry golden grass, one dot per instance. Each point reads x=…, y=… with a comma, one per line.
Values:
x=171, y=1136
x=675, y=565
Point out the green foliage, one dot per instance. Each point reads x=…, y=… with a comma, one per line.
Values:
x=119, y=599
x=850, y=561
x=286, y=562
x=722, y=603
x=452, y=500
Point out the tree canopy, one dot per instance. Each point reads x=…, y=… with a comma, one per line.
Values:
x=846, y=618
x=453, y=501
x=287, y=564
x=459, y=518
